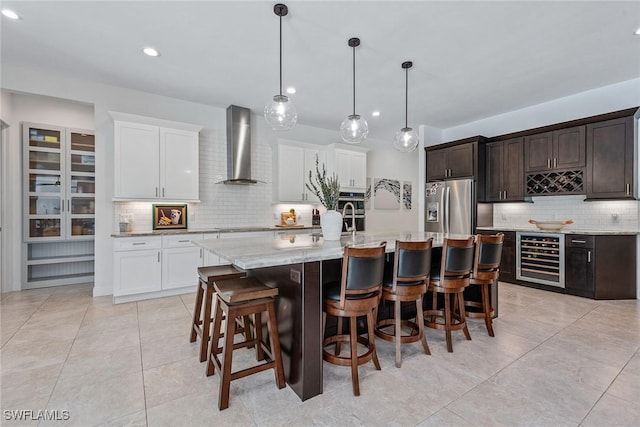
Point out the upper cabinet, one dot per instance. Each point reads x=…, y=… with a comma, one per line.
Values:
x=610, y=156
x=504, y=171
x=59, y=183
x=292, y=173
x=351, y=168
x=453, y=161
x=560, y=149
x=155, y=162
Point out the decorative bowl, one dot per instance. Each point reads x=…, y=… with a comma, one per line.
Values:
x=550, y=225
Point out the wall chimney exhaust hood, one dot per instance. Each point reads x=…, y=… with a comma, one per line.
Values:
x=239, y=146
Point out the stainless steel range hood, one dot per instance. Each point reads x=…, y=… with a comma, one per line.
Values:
x=239, y=146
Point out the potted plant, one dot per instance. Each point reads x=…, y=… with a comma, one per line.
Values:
x=327, y=190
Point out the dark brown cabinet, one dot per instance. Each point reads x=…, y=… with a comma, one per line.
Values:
x=600, y=267
x=504, y=176
x=610, y=153
x=559, y=149
x=508, y=259
x=455, y=161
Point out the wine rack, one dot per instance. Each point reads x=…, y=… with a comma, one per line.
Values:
x=541, y=258
x=557, y=182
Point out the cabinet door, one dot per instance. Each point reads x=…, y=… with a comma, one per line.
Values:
x=290, y=173
x=179, y=176
x=136, y=272
x=358, y=169
x=180, y=267
x=437, y=165
x=136, y=161
x=569, y=148
x=513, y=170
x=538, y=152
x=610, y=159
x=494, y=171
x=461, y=161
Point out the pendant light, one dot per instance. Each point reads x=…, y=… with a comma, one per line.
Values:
x=354, y=129
x=280, y=113
x=406, y=139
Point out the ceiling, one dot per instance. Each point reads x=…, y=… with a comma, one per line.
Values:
x=471, y=59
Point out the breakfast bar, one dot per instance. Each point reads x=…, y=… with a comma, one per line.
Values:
x=298, y=265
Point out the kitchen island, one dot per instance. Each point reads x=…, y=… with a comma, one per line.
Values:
x=298, y=265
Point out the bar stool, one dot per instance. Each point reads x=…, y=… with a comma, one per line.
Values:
x=200, y=327
x=486, y=269
x=356, y=294
x=236, y=298
x=450, y=279
x=407, y=282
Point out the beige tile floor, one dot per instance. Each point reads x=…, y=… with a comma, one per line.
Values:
x=556, y=360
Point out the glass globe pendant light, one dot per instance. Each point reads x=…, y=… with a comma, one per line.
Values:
x=406, y=139
x=354, y=129
x=280, y=113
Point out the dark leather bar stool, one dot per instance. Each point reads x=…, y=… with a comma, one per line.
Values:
x=200, y=327
x=356, y=294
x=236, y=298
x=406, y=283
x=486, y=269
x=449, y=279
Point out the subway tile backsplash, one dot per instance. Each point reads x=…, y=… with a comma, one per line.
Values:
x=600, y=215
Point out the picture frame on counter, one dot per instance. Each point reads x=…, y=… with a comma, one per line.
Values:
x=169, y=216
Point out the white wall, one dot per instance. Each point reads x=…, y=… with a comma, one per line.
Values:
x=221, y=205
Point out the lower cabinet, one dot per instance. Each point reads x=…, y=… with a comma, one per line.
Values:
x=601, y=267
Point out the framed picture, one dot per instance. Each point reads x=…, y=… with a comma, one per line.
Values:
x=169, y=216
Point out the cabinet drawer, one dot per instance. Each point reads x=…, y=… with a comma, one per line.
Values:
x=579, y=241
x=137, y=243
x=180, y=240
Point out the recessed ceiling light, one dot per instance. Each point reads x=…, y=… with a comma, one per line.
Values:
x=376, y=113
x=150, y=51
x=10, y=14
x=291, y=90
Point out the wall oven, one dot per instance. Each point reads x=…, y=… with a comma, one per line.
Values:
x=540, y=258
x=357, y=199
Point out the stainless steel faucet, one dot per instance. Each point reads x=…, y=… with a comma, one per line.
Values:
x=351, y=229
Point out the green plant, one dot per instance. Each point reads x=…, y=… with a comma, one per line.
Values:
x=326, y=188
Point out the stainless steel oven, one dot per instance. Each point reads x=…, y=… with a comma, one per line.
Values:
x=540, y=258
x=357, y=199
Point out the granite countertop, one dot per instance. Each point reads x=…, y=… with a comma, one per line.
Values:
x=566, y=230
x=257, y=252
x=210, y=230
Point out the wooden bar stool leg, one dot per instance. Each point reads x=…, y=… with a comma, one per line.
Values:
x=398, y=333
x=206, y=324
x=197, y=312
x=354, y=355
x=487, y=310
x=423, y=337
x=274, y=341
x=462, y=316
x=227, y=351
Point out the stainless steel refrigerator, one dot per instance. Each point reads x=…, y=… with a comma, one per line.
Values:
x=451, y=206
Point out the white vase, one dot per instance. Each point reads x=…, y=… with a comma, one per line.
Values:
x=331, y=223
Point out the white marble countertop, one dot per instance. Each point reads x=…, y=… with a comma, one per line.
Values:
x=256, y=252
x=566, y=230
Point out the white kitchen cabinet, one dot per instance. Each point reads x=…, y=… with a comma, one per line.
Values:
x=351, y=168
x=137, y=263
x=153, y=162
x=293, y=166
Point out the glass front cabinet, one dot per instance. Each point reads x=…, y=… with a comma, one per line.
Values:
x=59, y=204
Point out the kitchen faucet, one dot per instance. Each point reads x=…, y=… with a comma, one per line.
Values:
x=351, y=229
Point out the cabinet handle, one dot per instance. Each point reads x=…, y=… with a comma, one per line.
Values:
x=588, y=256
x=548, y=163
x=555, y=162
x=628, y=189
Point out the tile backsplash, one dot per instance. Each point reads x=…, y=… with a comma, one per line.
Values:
x=600, y=215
